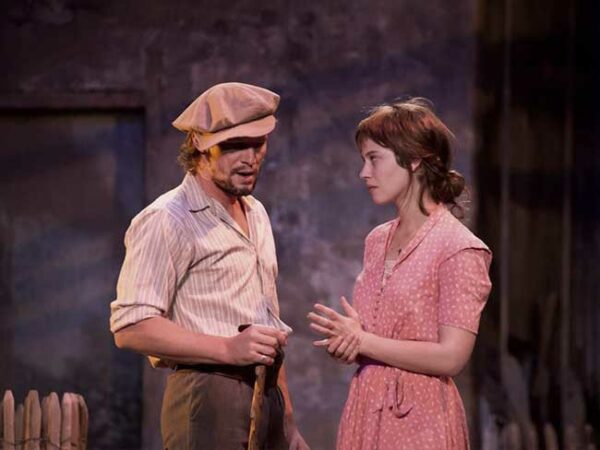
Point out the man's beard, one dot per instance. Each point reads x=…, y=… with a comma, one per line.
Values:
x=227, y=186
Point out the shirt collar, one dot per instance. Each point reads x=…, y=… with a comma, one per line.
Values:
x=196, y=197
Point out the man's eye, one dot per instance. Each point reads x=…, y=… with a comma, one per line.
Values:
x=232, y=147
x=238, y=146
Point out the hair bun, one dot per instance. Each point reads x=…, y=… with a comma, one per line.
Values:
x=456, y=183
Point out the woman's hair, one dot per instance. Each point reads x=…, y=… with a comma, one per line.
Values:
x=188, y=155
x=413, y=132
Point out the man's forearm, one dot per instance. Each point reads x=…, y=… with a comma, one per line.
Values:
x=165, y=339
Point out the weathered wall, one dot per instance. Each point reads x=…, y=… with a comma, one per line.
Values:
x=328, y=60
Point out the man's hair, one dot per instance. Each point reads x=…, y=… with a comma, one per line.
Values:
x=189, y=156
x=413, y=132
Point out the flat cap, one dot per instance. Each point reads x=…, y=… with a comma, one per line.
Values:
x=229, y=110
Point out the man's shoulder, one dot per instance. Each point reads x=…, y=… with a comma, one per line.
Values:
x=171, y=206
x=255, y=204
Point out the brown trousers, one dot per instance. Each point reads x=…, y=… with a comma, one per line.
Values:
x=209, y=411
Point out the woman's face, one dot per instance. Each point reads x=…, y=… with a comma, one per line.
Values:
x=386, y=181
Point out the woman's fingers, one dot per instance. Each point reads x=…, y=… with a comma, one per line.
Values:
x=352, y=357
x=348, y=309
x=342, y=347
x=328, y=312
x=320, y=320
x=334, y=345
x=321, y=343
x=350, y=348
x=322, y=330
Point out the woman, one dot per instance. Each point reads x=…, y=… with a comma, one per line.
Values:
x=418, y=299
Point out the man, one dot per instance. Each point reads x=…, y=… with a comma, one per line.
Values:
x=200, y=266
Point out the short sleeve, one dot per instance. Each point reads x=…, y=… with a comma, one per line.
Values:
x=156, y=259
x=464, y=285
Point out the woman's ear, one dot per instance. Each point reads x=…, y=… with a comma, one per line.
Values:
x=415, y=164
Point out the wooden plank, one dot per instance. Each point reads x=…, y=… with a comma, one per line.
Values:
x=550, y=438
x=531, y=437
x=74, y=421
x=33, y=421
x=65, y=431
x=511, y=437
x=588, y=431
x=84, y=421
x=54, y=422
x=44, y=434
x=19, y=418
x=8, y=421
x=571, y=440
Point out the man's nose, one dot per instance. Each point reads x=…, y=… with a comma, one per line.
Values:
x=248, y=155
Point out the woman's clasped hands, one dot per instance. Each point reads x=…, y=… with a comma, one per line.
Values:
x=342, y=334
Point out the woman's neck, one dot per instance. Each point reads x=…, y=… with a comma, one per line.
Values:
x=410, y=214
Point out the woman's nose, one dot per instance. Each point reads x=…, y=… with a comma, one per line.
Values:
x=364, y=172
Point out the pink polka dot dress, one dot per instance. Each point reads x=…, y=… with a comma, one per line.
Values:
x=439, y=278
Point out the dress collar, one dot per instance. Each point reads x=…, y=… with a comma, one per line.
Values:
x=418, y=237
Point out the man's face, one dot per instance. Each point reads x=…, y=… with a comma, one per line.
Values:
x=235, y=164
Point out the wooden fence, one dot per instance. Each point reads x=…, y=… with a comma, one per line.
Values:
x=49, y=425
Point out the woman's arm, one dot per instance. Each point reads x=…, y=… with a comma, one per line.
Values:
x=345, y=339
x=444, y=358
x=464, y=287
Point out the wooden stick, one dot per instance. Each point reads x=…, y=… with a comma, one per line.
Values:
x=256, y=407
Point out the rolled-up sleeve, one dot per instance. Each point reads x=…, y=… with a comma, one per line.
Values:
x=156, y=258
x=464, y=286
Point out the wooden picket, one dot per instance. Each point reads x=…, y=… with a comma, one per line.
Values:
x=45, y=425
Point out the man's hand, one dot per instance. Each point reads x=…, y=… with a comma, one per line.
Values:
x=293, y=436
x=343, y=334
x=257, y=344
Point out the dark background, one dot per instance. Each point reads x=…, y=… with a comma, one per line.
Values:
x=88, y=90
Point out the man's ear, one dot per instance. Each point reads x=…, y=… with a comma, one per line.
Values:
x=204, y=167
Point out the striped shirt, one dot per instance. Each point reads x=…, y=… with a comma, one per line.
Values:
x=188, y=260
